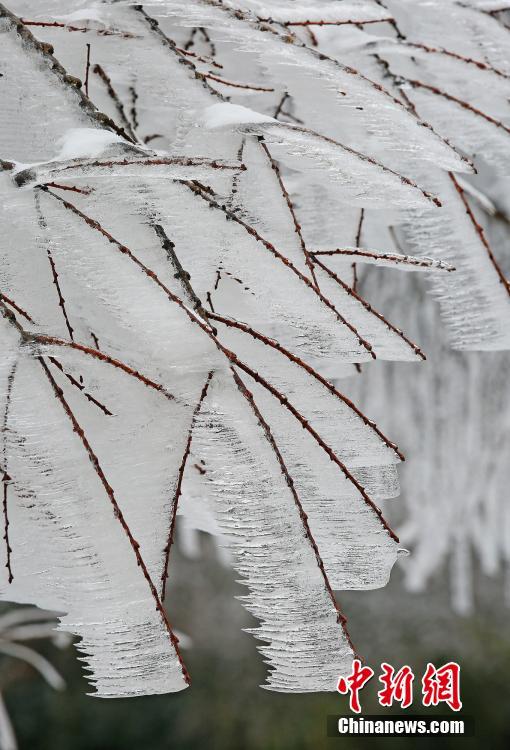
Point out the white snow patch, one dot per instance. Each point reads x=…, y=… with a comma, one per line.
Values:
x=224, y=115
x=86, y=142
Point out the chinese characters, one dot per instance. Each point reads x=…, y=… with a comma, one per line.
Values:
x=439, y=685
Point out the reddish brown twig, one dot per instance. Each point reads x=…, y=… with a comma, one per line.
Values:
x=200, y=58
x=465, y=105
x=71, y=188
x=272, y=249
x=181, y=55
x=6, y=479
x=4, y=298
x=312, y=36
x=80, y=387
x=225, y=82
x=239, y=15
x=102, y=357
x=369, y=307
x=45, y=51
x=197, y=191
x=456, y=56
x=306, y=426
x=116, y=511
x=191, y=41
x=310, y=370
x=5, y=482
x=61, y=300
x=341, y=618
x=55, y=275
x=178, y=488
x=406, y=260
x=158, y=161
x=292, y=211
x=348, y=22
x=364, y=158
x=82, y=29
x=60, y=342
x=481, y=234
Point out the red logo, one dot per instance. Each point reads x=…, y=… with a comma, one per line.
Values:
x=439, y=685
x=355, y=682
x=442, y=685
x=397, y=687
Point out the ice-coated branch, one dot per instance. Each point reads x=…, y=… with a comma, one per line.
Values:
x=178, y=489
x=59, y=394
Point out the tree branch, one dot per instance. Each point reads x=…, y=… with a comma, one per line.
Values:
x=178, y=489
x=59, y=394
x=233, y=359
x=481, y=234
x=369, y=307
x=310, y=370
x=341, y=618
x=272, y=249
x=292, y=211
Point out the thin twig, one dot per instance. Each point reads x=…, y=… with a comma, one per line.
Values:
x=180, y=273
x=133, y=110
x=80, y=387
x=158, y=161
x=369, y=308
x=248, y=395
x=178, y=488
x=102, y=357
x=6, y=479
x=406, y=260
x=272, y=249
x=292, y=211
x=135, y=546
x=99, y=71
x=465, y=105
x=456, y=56
x=358, y=243
x=4, y=298
x=71, y=188
x=230, y=323
x=348, y=22
x=55, y=275
x=280, y=105
x=481, y=234
x=82, y=29
x=87, y=70
x=235, y=85
x=200, y=58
